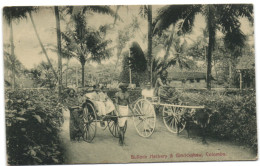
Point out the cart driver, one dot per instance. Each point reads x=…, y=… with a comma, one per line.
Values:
x=122, y=101
x=161, y=81
x=167, y=94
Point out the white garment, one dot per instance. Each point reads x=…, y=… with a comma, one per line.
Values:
x=103, y=104
x=123, y=111
x=92, y=96
x=101, y=108
x=109, y=106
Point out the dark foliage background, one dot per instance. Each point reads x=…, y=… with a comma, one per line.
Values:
x=33, y=121
x=235, y=119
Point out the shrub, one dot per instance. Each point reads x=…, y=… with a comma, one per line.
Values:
x=33, y=120
x=235, y=119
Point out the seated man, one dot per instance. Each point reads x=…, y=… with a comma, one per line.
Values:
x=160, y=82
x=109, y=105
x=101, y=101
x=164, y=91
x=92, y=95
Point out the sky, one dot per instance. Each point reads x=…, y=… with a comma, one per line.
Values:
x=28, y=50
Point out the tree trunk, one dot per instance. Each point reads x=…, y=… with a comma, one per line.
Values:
x=83, y=74
x=169, y=45
x=150, y=58
x=77, y=80
x=215, y=68
x=43, y=49
x=230, y=72
x=232, y=62
x=116, y=15
x=57, y=16
x=212, y=32
x=66, y=77
x=130, y=71
x=12, y=54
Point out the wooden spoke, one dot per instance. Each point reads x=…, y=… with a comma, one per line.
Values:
x=145, y=124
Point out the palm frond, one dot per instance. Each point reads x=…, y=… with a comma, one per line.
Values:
x=229, y=11
x=234, y=39
x=17, y=13
x=230, y=25
x=171, y=14
x=143, y=11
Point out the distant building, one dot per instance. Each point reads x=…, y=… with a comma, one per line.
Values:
x=187, y=79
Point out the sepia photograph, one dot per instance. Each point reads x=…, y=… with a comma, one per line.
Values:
x=116, y=84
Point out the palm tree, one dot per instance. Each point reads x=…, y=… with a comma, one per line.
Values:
x=17, y=13
x=85, y=44
x=57, y=16
x=218, y=17
x=93, y=46
x=41, y=44
x=11, y=14
x=150, y=41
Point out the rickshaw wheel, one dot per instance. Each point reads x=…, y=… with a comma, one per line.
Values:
x=90, y=122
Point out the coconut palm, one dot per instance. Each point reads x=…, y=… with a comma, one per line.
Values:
x=18, y=13
x=57, y=17
x=224, y=18
x=146, y=12
x=91, y=44
x=14, y=14
x=85, y=44
x=41, y=44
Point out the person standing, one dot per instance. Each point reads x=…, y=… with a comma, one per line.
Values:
x=76, y=125
x=122, y=101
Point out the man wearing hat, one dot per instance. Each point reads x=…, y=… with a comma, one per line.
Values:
x=122, y=102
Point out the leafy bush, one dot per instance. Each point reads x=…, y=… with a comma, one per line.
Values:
x=33, y=120
x=235, y=119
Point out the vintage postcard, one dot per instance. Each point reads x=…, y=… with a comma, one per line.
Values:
x=129, y=84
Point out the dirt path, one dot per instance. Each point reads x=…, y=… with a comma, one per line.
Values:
x=162, y=146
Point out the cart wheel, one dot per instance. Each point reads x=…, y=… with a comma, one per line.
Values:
x=114, y=128
x=144, y=117
x=171, y=118
x=90, y=122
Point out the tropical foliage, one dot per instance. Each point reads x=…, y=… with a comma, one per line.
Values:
x=42, y=76
x=235, y=119
x=33, y=120
x=83, y=42
x=224, y=18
